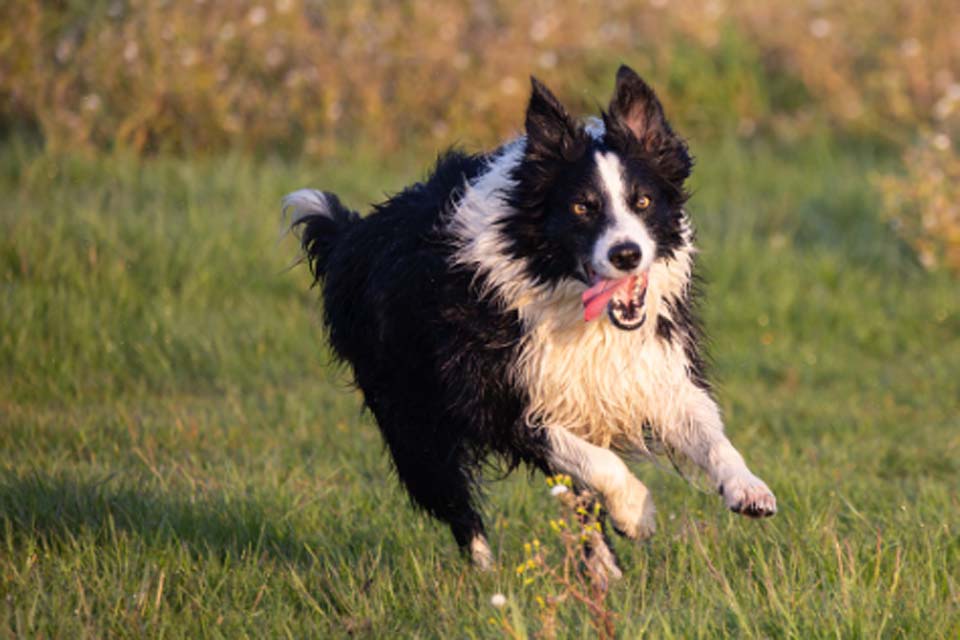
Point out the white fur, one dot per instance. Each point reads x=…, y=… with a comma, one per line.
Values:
x=594, y=128
x=480, y=553
x=303, y=203
x=601, y=562
x=475, y=225
x=627, y=499
x=592, y=379
x=624, y=224
x=592, y=385
x=598, y=381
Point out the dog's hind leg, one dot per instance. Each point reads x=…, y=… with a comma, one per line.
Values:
x=446, y=492
x=431, y=461
x=626, y=499
x=440, y=482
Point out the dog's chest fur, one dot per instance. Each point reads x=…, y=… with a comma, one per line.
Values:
x=599, y=382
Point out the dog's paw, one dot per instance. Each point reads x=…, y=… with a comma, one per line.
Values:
x=747, y=495
x=480, y=554
x=601, y=563
x=632, y=512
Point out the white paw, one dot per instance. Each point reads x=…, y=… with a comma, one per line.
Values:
x=747, y=494
x=480, y=554
x=601, y=563
x=632, y=512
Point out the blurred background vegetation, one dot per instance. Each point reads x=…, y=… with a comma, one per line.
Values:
x=179, y=459
x=317, y=79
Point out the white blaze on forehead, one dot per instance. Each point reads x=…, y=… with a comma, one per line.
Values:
x=625, y=225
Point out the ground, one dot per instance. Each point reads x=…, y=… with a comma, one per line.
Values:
x=179, y=458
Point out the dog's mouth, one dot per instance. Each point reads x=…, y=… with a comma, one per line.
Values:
x=623, y=299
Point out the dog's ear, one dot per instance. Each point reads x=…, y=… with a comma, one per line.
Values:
x=551, y=132
x=635, y=112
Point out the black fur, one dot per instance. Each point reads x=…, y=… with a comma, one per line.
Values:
x=635, y=124
x=557, y=170
x=320, y=233
x=431, y=355
x=434, y=354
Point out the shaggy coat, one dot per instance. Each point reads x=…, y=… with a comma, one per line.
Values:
x=535, y=304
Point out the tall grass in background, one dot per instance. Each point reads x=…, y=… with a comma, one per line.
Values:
x=178, y=458
x=321, y=78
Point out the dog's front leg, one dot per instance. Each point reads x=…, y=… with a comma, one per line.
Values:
x=627, y=500
x=699, y=435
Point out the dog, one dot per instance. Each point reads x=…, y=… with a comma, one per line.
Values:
x=535, y=304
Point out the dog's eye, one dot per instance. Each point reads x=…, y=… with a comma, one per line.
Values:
x=578, y=208
x=643, y=202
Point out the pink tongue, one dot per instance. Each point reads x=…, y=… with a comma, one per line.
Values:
x=595, y=298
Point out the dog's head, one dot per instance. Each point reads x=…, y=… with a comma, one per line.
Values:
x=600, y=204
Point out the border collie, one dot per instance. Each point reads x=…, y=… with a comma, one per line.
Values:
x=533, y=304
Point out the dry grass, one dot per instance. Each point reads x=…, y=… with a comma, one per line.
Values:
x=146, y=74
x=314, y=78
x=924, y=202
x=567, y=572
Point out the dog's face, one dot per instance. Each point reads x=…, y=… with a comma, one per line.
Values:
x=600, y=206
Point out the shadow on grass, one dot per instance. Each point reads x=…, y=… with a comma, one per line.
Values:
x=56, y=510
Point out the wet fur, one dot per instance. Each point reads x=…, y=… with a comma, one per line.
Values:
x=457, y=305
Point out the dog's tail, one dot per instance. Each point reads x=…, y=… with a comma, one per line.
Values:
x=318, y=219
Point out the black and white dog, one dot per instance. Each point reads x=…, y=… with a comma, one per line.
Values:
x=471, y=308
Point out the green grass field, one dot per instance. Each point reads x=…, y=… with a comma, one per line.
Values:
x=178, y=458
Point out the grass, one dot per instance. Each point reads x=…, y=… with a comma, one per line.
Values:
x=178, y=458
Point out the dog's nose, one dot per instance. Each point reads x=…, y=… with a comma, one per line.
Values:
x=624, y=255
